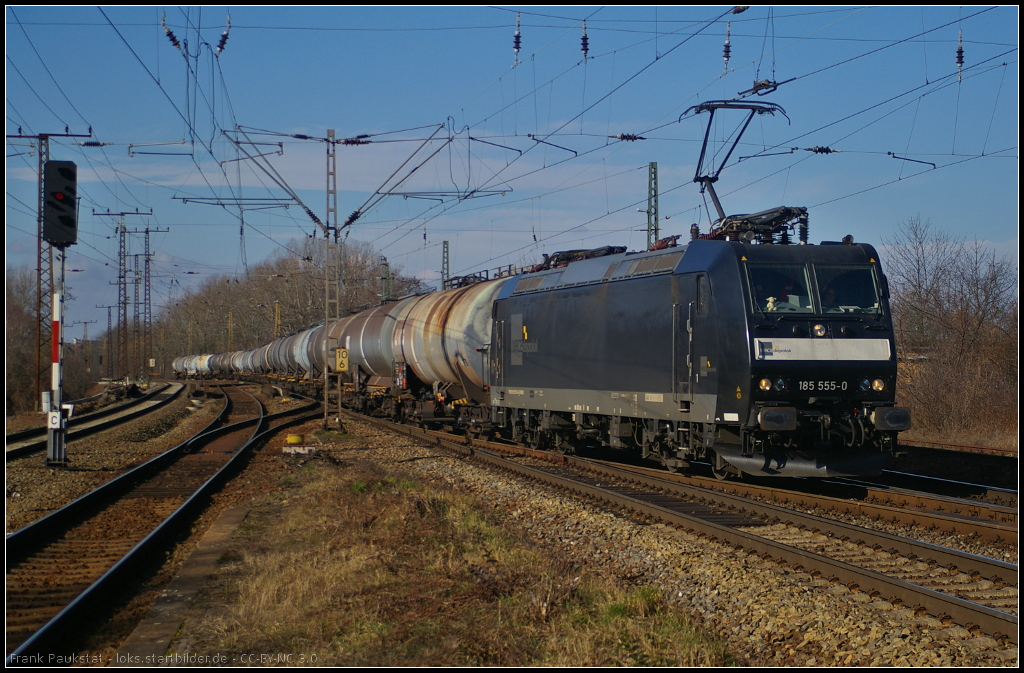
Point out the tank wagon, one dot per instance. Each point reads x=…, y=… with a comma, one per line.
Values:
x=761, y=356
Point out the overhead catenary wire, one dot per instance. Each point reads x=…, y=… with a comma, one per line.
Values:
x=508, y=175
x=820, y=148
x=884, y=47
x=554, y=133
x=786, y=168
x=622, y=84
x=995, y=104
x=810, y=150
x=34, y=92
x=790, y=141
x=166, y=95
x=189, y=124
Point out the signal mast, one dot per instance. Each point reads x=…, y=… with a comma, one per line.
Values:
x=60, y=229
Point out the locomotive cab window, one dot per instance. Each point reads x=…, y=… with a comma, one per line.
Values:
x=779, y=288
x=847, y=288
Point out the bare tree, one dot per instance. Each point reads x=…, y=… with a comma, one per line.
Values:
x=20, y=295
x=955, y=310
x=292, y=282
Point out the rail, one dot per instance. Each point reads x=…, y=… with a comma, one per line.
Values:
x=973, y=615
x=80, y=613
x=24, y=442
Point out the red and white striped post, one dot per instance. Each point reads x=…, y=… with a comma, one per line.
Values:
x=56, y=426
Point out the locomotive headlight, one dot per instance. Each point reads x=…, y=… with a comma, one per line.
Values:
x=818, y=330
x=780, y=385
x=878, y=385
x=765, y=385
x=865, y=386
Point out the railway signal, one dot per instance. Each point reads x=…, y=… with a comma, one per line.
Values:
x=60, y=229
x=60, y=203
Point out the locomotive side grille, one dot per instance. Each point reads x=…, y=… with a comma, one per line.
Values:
x=529, y=283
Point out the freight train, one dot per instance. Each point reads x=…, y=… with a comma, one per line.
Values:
x=741, y=347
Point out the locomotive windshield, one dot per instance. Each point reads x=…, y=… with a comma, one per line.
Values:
x=780, y=288
x=847, y=288
x=837, y=288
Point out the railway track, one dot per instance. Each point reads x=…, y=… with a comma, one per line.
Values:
x=61, y=569
x=959, y=448
x=949, y=487
x=32, y=440
x=945, y=498
x=977, y=593
x=974, y=519
x=994, y=468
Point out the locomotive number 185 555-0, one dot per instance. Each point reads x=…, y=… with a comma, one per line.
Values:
x=822, y=386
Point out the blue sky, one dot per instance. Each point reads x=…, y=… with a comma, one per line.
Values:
x=505, y=160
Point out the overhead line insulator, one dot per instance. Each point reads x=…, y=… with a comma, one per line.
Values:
x=313, y=216
x=585, y=42
x=351, y=218
x=224, y=37
x=727, y=49
x=516, y=42
x=960, y=58
x=169, y=33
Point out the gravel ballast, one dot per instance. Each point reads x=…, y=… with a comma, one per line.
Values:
x=33, y=490
x=768, y=614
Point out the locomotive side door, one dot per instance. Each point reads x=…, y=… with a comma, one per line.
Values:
x=682, y=351
x=684, y=309
x=704, y=352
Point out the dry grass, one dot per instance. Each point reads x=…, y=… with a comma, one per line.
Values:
x=996, y=439
x=358, y=567
x=24, y=421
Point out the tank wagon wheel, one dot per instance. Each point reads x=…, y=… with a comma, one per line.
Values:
x=564, y=446
x=721, y=473
x=721, y=469
x=539, y=440
x=520, y=435
x=659, y=451
x=727, y=472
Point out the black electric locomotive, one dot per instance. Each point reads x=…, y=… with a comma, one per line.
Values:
x=769, y=359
